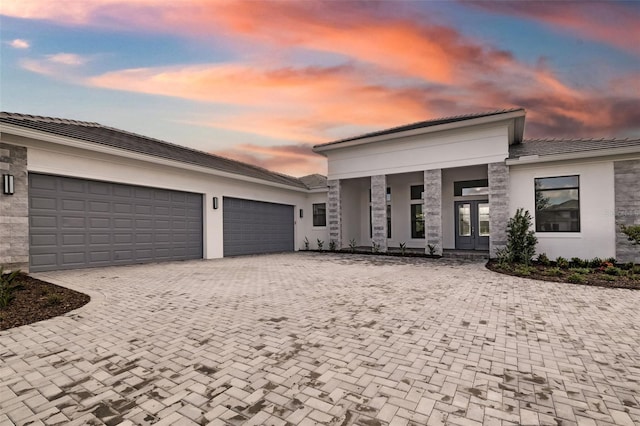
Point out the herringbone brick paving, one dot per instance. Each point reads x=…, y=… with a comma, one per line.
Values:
x=325, y=339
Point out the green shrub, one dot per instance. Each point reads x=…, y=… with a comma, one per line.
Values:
x=375, y=247
x=306, y=243
x=554, y=272
x=611, y=260
x=332, y=245
x=432, y=248
x=403, y=248
x=543, y=259
x=521, y=240
x=627, y=266
x=580, y=270
x=352, y=245
x=605, y=277
x=576, y=262
x=7, y=286
x=576, y=278
x=632, y=232
x=320, y=244
x=596, y=262
x=523, y=270
x=612, y=270
x=562, y=263
x=636, y=269
x=53, y=299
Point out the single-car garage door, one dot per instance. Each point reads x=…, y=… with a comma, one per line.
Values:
x=79, y=223
x=251, y=227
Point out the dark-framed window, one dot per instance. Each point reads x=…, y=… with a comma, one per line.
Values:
x=471, y=187
x=416, y=192
x=417, y=221
x=557, y=204
x=320, y=214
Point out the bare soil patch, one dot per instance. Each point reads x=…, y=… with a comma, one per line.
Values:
x=37, y=300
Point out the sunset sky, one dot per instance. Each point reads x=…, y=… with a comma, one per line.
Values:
x=263, y=81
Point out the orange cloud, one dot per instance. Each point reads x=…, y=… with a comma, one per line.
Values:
x=612, y=23
x=295, y=160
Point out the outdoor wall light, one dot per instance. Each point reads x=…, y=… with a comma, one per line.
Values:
x=301, y=213
x=215, y=203
x=7, y=184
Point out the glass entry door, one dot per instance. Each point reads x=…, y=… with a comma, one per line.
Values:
x=472, y=225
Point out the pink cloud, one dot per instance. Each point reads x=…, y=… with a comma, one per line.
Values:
x=613, y=23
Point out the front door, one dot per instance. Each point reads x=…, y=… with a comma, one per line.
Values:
x=472, y=225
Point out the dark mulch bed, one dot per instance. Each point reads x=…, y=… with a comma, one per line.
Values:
x=594, y=278
x=38, y=300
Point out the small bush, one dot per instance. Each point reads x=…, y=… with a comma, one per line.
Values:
x=576, y=278
x=596, y=262
x=523, y=270
x=432, y=248
x=352, y=245
x=521, y=240
x=612, y=270
x=636, y=269
x=332, y=245
x=611, y=260
x=543, y=259
x=632, y=232
x=8, y=287
x=562, y=263
x=627, y=266
x=554, y=272
x=320, y=244
x=576, y=262
x=580, y=270
x=306, y=243
x=605, y=277
x=403, y=248
x=54, y=299
x=375, y=247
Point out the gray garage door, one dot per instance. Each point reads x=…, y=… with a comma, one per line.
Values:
x=251, y=227
x=78, y=223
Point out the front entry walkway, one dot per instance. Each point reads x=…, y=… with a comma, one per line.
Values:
x=311, y=338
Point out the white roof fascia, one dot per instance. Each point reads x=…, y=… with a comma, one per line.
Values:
x=605, y=152
x=422, y=130
x=105, y=149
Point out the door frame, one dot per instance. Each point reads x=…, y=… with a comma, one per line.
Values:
x=474, y=241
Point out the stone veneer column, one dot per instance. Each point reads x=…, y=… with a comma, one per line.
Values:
x=14, y=211
x=335, y=211
x=498, y=206
x=627, y=207
x=432, y=209
x=379, y=210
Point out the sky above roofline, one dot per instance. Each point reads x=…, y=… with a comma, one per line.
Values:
x=264, y=81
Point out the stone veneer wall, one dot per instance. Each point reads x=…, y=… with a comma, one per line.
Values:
x=335, y=211
x=432, y=209
x=379, y=210
x=498, y=174
x=627, y=207
x=14, y=210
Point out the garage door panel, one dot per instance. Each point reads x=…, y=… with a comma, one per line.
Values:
x=251, y=227
x=77, y=223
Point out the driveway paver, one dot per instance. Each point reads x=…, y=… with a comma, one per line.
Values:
x=311, y=339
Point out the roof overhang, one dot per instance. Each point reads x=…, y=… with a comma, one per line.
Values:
x=516, y=137
x=532, y=159
x=119, y=152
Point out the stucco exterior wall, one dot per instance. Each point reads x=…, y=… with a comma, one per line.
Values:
x=452, y=148
x=74, y=162
x=597, y=205
x=14, y=210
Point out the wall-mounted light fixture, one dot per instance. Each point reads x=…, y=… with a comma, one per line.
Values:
x=215, y=203
x=300, y=213
x=7, y=184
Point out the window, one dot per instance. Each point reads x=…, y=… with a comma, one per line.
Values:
x=558, y=204
x=416, y=192
x=388, y=220
x=471, y=187
x=320, y=214
x=417, y=221
x=417, y=218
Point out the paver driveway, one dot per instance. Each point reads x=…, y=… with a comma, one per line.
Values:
x=325, y=339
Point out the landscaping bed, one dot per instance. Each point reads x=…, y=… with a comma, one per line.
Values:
x=595, y=272
x=35, y=300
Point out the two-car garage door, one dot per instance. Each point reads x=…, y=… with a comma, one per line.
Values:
x=79, y=223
